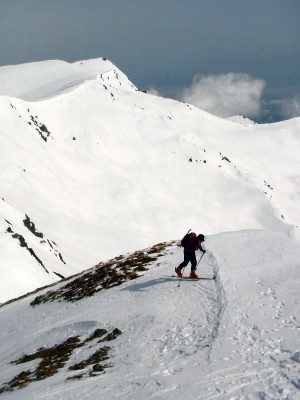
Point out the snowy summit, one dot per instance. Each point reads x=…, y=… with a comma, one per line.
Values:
x=99, y=182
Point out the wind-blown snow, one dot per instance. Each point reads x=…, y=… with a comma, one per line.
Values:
x=101, y=168
x=235, y=337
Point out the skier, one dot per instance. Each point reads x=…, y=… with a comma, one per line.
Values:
x=191, y=242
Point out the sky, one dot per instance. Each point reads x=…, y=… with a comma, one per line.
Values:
x=227, y=57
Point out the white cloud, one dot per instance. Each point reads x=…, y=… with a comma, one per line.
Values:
x=291, y=107
x=153, y=91
x=226, y=94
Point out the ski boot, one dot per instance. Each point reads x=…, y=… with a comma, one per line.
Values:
x=178, y=272
x=193, y=275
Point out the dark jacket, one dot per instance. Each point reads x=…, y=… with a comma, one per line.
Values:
x=192, y=245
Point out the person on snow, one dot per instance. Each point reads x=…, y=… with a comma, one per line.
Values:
x=191, y=242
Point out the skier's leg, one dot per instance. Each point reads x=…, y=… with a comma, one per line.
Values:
x=193, y=266
x=185, y=261
x=181, y=266
x=193, y=261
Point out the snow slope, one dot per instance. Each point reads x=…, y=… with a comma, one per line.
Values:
x=100, y=168
x=235, y=337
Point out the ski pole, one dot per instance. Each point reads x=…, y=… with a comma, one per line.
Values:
x=200, y=259
x=181, y=277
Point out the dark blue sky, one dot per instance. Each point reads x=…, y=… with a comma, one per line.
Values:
x=164, y=44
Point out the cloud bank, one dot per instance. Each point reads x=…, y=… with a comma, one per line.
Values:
x=291, y=107
x=226, y=95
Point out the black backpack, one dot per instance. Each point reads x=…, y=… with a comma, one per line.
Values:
x=186, y=239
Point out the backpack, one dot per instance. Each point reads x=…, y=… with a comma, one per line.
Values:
x=187, y=238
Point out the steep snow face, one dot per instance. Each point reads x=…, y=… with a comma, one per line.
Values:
x=24, y=250
x=235, y=337
x=101, y=168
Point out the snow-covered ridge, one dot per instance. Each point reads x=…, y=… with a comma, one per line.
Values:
x=42, y=80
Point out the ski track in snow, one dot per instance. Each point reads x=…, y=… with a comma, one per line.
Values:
x=257, y=356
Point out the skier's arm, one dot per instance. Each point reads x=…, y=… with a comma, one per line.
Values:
x=201, y=249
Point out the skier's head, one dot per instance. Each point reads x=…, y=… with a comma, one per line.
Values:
x=201, y=237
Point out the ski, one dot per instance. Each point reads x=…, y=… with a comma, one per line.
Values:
x=187, y=278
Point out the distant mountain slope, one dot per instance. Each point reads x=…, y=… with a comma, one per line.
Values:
x=101, y=168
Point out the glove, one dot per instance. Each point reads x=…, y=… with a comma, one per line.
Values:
x=203, y=251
